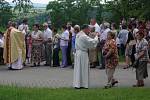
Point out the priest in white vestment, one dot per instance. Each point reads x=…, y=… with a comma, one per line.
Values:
x=81, y=66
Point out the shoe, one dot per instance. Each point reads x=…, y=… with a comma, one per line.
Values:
x=107, y=86
x=38, y=64
x=102, y=68
x=138, y=85
x=24, y=64
x=13, y=69
x=46, y=65
x=63, y=66
x=34, y=65
x=56, y=65
x=84, y=88
x=77, y=87
x=9, y=68
x=80, y=88
x=92, y=66
x=113, y=83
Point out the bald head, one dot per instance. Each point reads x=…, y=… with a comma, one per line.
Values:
x=45, y=25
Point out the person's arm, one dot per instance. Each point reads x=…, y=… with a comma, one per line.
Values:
x=141, y=53
x=111, y=49
x=90, y=42
x=109, y=53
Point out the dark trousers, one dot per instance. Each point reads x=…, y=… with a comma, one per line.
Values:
x=132, y=55
x=1, y=56
x=122, y=48
x=56, y=57
x=48, y=53
x=102, y=59
x=69, y=55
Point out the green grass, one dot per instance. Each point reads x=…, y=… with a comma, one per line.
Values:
x=15, y=93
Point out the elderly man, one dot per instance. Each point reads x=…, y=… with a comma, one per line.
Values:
x=47, y=37
x=81, y=66
x=14, y=48
x=94, y=24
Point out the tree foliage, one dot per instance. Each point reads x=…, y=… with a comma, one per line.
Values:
x=129, y=8
x=5, y=12
x=23, y=6
x=77, y=11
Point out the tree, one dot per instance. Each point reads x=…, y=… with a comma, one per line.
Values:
x=129, y=8
x=5, y=12
x=77, y=11
x=23, y=6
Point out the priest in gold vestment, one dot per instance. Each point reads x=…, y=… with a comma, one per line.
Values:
x=14, y=48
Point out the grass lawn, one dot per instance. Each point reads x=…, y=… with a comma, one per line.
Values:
x=16, y=93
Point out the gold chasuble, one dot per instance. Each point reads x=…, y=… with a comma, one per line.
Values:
x=13, y=41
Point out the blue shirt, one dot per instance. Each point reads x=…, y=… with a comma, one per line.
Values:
x=73, y=41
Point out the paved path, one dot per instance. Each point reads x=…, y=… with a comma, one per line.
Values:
x=57, y=77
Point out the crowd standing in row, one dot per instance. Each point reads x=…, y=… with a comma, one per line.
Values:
x=100, y=45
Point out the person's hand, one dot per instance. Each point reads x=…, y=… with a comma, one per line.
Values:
x=136, y=56
x=98, y=34
x=94, y=34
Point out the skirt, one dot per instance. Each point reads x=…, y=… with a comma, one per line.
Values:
x=37, y=53
x=141, y=71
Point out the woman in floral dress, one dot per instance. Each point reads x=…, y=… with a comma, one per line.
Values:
x=37, y=46
x=110, y=53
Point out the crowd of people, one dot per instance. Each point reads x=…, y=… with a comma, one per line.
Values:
x=93, y=44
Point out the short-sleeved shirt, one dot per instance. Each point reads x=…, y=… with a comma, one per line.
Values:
x=142, y=46
x=36, y=35
x=97, y=28
x=104, y=34
x=64, y=38
x=123, y=36
x=47, y=34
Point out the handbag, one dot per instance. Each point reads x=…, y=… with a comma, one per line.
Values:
x=135, y=64
x=100, y=44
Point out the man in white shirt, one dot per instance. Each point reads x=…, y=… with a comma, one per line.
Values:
x=64, y=45
x=47, y=37
x=106, y=30
x=24, y=27
x=95, y=25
